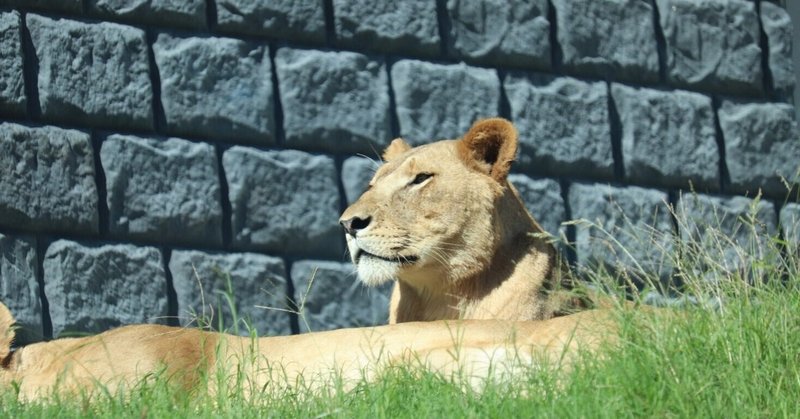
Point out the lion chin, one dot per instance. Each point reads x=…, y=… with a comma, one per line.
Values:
x=443, y=221
x=374, y=269
x=374, y=272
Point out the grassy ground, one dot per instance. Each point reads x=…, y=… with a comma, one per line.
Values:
x=736, y=353
x=742, y=361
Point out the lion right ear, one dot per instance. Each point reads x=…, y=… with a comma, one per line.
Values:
x=396, y=148
x=490, y=147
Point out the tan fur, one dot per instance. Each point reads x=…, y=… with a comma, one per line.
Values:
x=123, y=357
x=397, y=147
x=459, y=244
x=444, y=223
x=6, y=331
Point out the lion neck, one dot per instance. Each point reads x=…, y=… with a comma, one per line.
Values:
x=521, y=262
x=518, y=254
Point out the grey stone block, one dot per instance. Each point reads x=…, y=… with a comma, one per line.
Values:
x=19, y=287
x=300, y=20
x=12, y=84
x=762, y=146
x=283, y=201
x=256, y=283
x=668, y=137
x=623, y=228
x=91, y=288
x=436, y=101
x=93, y=74
x=503, y=32
x=356, y=174
x=407, y=27
x=778, y=27
x=609, y=38
x=543, y=199
x=724, y=234
x=712, y=44
x=216, y=87
x=180, y=13
x=333, y=101
x=563, y=125
x=331, y=297
x=71, y=6
x=47, y=179
x=162, y=190
x=790, y=224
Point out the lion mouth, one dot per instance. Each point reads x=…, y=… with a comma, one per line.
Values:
x=402, y=260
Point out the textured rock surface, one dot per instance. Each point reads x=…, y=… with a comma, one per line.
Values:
x=563, y=125
x=611, y=38
x=712, y=44
x=47, y=179
x=342, y=78
x=181, y=13
x=668, y=138
x=543, y=199
x=436, y=101
x=724, y=228
x=335, y=101
x=283, y=201
x=92, y=288
x=93, y=74
x=301, y=20
x=257, y=285
x=72, y=6
x=336, y=298
x=12, y=84
x=216, y=87
x=19, y=288
x=762, y=145
x=409, y=26
x=790, y=224
x=356, y=174
x=778, y=27
x=162, y=190
x=628, y=227
x=514, y=32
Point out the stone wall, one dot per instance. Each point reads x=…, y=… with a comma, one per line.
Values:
x=158, y=155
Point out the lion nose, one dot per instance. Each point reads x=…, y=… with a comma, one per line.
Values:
x=353, y=225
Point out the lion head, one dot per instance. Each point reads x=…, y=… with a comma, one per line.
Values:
x=443, y=220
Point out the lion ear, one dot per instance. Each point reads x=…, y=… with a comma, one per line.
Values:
x=490, y=147
x=396, y=148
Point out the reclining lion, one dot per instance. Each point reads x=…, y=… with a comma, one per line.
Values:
x=469, y=350
x=444, y=222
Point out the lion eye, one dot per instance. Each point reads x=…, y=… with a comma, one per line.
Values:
x=422, y=177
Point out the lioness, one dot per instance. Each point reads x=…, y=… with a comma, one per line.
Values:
x=470, y=350
x=444, y=222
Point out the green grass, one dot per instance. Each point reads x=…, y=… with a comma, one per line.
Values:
x=743, y=361
x=736, y=353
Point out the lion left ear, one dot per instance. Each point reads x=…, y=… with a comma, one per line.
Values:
x=490, y=147
x=397, y=147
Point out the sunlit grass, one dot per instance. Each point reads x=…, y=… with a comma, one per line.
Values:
x=732, y=349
